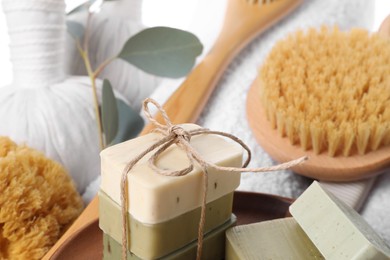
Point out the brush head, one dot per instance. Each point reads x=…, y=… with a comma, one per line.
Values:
x=329, y=90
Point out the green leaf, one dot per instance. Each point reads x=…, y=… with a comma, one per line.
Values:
x=162, y=51
x=75, y=29
x=130, y=123
x=109, y=112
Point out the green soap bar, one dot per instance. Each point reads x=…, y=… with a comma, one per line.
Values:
x=156, y=240
x=213, y=246
x=273, y=239
x=335, y=229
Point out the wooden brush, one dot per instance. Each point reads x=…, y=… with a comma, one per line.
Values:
x=326, y=93
x=328, y=90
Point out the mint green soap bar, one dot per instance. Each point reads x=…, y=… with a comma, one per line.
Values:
x=151, y=241
x=213, y=246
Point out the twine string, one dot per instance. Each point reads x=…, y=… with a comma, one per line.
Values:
x=174, y=134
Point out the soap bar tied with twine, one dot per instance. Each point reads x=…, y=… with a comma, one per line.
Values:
x=174, y=134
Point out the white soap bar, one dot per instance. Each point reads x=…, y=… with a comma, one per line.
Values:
x=274, y=239
x=338, y=231
x=154, y=198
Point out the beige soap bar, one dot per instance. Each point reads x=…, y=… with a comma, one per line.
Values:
x=157, y=240
x=154, y=198
x=274, y=239
x=337, y=230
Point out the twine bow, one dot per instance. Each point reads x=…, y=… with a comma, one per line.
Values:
x=174, y=134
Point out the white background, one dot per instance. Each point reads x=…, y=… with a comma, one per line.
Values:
x=174, y=13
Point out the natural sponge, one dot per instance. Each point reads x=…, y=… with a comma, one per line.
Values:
x=329, y=90
x=37, y=201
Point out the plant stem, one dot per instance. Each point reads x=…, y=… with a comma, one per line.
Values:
x=86, y=34
x=103, y=65
x=96, y=103
x=97, y=113
x=91, y=74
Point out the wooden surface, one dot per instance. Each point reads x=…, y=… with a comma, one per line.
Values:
x=89, y=215
x=86, y=243
x=243, y=22
x=322, y=166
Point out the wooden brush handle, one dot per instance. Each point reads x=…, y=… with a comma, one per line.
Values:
x=243, y=22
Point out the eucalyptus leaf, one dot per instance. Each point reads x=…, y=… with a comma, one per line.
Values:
x=162, y=51
x=75, y=29
x=109, y=112
x=130, y=123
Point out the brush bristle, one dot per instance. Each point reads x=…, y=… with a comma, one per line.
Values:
x=329, y=90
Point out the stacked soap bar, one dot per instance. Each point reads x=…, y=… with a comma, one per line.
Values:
x=274, y=239
x=336, y=230
x=322, y=227
x=164, y=211
x=213, y=246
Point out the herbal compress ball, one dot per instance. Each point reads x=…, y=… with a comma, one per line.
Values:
x=38, y=200
x=329, y=90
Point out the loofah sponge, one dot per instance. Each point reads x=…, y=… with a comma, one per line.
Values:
x=38, y=200
x=329, y=90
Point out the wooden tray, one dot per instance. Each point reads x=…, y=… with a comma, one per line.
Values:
x=249, y=207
